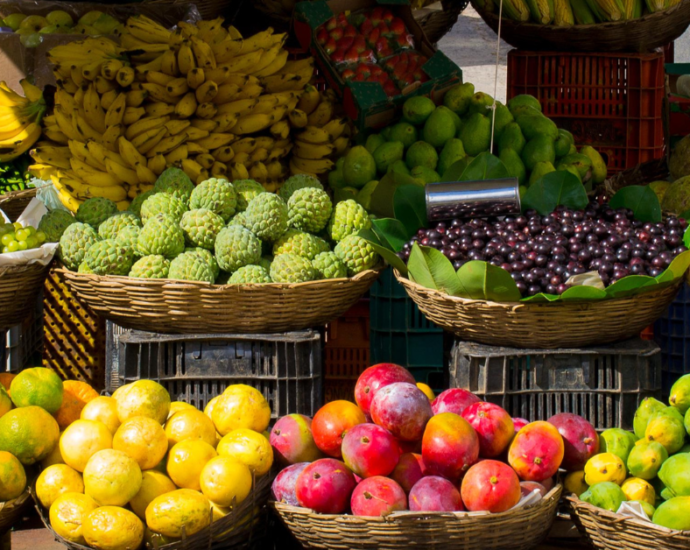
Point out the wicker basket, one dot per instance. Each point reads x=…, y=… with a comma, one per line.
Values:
x=13, y=510
x=209, y=9
x=189, y=307
x=19, y=289
x=520, y=529
x=14, y=202
x=241, y=529
x=606, y=530
x=437, y=23
x=636, y=36
x=642, y=174
x=543, y=324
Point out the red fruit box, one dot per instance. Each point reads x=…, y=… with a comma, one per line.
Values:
x=374, y=55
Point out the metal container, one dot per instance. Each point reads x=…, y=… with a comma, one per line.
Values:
x=472, y=199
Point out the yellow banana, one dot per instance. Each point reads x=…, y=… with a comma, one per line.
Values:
x=259, y=155
x=107, y=99
x=122, y=173
x=110, y=136
x=267, y=57
x=157, y=164
x=64, y=123
x=81, y=153
x=243, y=63
x=159, y=109
x=93, y=109
x=129, y=152
x=194, y=133
x=251, y=124
x=176, y=155
x=311, y=151
x=155, y=65
x=265, y=142
x=205, y=160
x=54, y=156
x=280, y=130
x=32, y=92
x=134, y=191
x=201, y=124
x=176, y=126
x=186, y=106
x=91, y=70
x=177, y=87
x=158, y=77
x=283, y=82
x=340, y=145
x=203, y=53
x=168, y=63
x=239, y=108
x=317, y=166
x=321, y=115
x=192, y=168
x=276, y=170
x=125, y=76
x=110, y=68
x=214, y=141
x=224, y=154
x=55, y=135
x=250, y=91
x=101, y=153
x=239, y=171
x=116, y=111
x=302, y=67
x=225, y=121
x=225, y=93
x=244, y=145
x=159, y=93
x=185, y=59
x=84, y=128
x=148, y=30
x=309, y=99
x=219, y=169
x=312, y=134
x=234, y=33
x=206, y=110
x=144, y=125
x=298, y=119
x=132, y=114
x=258, y=172
x=93, y=176
x=195, y=78
x=206, y=92
x=83, y=191
x=241, y=158
x=148, y=140
x=296, y=170
x=145, y=175
x=195, y=148
x=274, y=66
x=335, y=128
x=167, y=144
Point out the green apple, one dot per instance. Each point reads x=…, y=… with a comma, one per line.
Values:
x=49, y=29
x=60, y=18
x=91, y=31
x=13, y=21
x=31, y=40
x=89, y=18
x=33, y=22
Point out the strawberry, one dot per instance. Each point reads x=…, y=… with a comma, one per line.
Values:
x=376, y=16
x=345, y=43
x=336, y=34
x=376, y=69
x=364, y=69
x=390, y=89
x=359, y=77
x=384, y=28
x=400, y=69
x=360, y=43
x=373, y=36
x=330, y=46
x=420, y=75
x=331, y=24
x=350, y=30
x=387, y=15
x=389, y=64
x=366, y=27
x=352, y=56
x=348, y=74
x=342, y=20
x=338, y=56
x=382, y=78
x=322, y=36
x=367, y=55
x=397, y=26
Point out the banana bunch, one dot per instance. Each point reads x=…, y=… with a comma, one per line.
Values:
x=320, y=136
x=20, y=119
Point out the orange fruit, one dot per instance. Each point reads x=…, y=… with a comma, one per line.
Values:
x=112, y=478
x=37, y=386
x=54, y=457
x=177, y=406
x=113, y=528
x=143, y=439
x=153, y=485
x=143, y=398
x=208, y=410
x=81, y=440
x=5, y=402
x=225, y=482
x=103, y=409
x=241, y=406
x=75, y=396
x=249, y=448
x=68, y=513
x=56, y=480
x=6, y=380
x=190, y=424
x=29, y=433
x=186, y=460
x=426, y=390
x=169, y=513
x=12, y=477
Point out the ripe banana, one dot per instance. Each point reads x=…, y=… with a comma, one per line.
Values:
x=206, y=92
x=311, y=151
x=157, y=164
x=195, y=78
x=132, y=114
x=309, y=99
x=318, y=166
x=129, y=152
x=159, y=109
x=186, y=106
x=298, y=118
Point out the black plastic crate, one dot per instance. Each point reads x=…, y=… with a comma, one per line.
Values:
x=286, y=368
x=603, y=384
x=672, y=333
x=24, y=342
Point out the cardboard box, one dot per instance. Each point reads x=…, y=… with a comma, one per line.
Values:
x=365, y=102
x=679, y=107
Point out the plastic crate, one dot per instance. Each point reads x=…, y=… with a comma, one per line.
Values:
x=401, y=334
x=346, y=352
x=24, y=343
x=603, y=384
x=286, y=368
x=613, y=102
x=672, y=333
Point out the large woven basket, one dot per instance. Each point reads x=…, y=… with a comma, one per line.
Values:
x=13, y=510
x=543, y=325
x=189, y=307
x=437, y=23
x=242, y=529
x=520, y=529
x=637, y=35
x=14, y=202
x=609, y=531
x=19, y=289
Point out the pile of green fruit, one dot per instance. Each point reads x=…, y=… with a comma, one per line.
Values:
x=650, y=466
x=431, y=139
x=217, y=232
x=15, y=237
x=14, y=175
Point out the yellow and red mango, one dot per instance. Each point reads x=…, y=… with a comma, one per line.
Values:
x=435, y=494
x=370, y=450
x=454, y=400
x=490, y=486
x=449, y=446
x=410, y=470
x=519, y=423
x=376, y=377
x=325, y=486
x=330, y=424
x=292, y=440
x=402, y=409
x=377, y=496
x=580, y=440
x=536, y=452
x=284, y=484
x=493, y=425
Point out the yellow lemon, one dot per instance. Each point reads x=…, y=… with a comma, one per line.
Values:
x=184, y=509
x=241, y=406
x=5, y=401
x=249, y=448
x=143, y=398
x=219, y=512
x=186, y=460
x=605, y=467
x=638, y=489
x=177, y=406
x=153, y=485
x=208, y=411
x=113, y=528
x=225, y=482
x=55, y=456
x=103, y=409
x=81, y=440
x=12, y=477
x=29, y=433
x=56, y=480
x=426, y=390
x=112, y=478
x=574, y=482
x=190, y=424
x=68, y=513
x=143, y=439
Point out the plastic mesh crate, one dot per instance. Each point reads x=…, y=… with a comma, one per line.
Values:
x=613, y=102
x=24, y=343
x=603, y=384
x=672, y=333
x=285, y=368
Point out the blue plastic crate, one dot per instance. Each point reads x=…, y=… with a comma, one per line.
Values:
x=672, y=334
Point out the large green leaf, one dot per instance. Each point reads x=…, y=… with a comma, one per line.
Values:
x=383, y=247
x=392, y=231
x=485, y=166
x=409, y=205
x=686, y=237
x=629, y=285
x=677, y=269
x=583, y=292
x=381, y=204
x=542, y=297
x=554, y=189
x=428, y=266
x=418, y=270
x=641, y=200
x=483, y=281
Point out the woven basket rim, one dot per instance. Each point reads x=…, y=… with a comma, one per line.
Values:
x=618, y=519
x=10, y=505
x=514, y=305
x=19, y=194
x=554, y=493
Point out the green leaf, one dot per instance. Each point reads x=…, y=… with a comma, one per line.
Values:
x=384, y=249
x=382, y=199
x=629, y=285
x=485, y=166
x=391, y=231
x=641, y=200
x=677, y=269
x=542, y=297
x=583, y=292
x=409, y=205
x=436, y=269
x=419, y=270
x=685, y=215
x=554, y=189
x=686, y=237
x=483, y=281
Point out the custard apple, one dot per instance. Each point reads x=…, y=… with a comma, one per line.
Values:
x=236, y=247
x=174, y=181
x=265, y=262
x=108, y=257
x=200, y=227
x=208, y=257
x=162, y=203
x=161, y=235
x=238, y=219
x=266, y=216
x=151, y=267
x=309, y=209
x=129, y=236
x=297, y=242
x=74, y=243
x=95, y=211
x=250, y=274
x=54, y=223
x=190, y=266
x=84, y=268
x=217, y=195
x=135, y=206
x=298, y=181
x=246, y=190
x=329, y=266
x=323, y=245
x=110, y=228
x=291, y=268
x=356, y=253
x=348, y=218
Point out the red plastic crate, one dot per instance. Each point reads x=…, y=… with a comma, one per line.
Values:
x=613, y=102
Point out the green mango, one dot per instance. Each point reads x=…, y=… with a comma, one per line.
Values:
x=563, y=132
x=480, y=103
x=606, y=495
x=452, y=152
x=399, y=167
x=386, y=154
x=524, y=100
x=539, y=171
x=570, y=168
x=537, y=149
x=457, y=99
x=503, y=118
x=511, y=138
x=680, y=394
x=336, y=179
x=562, y=146
x=374, y=141
x=646, y=458
x=675, y=474
x=427, y=175
x=439, y=127
x=364, y=195
x=674, y=514
x=647, y=408
x=599, y=168
x=580, y=162
x=537, y=125
x=617, y=441
x=476, y=134
x=417, y=109
x=646, y=507
x=386, y=133
x=514, y=165
x=456, y=119
x=421, y=153
x=667, y=428
x=403, y=132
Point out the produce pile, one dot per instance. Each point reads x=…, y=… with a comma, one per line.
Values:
x=31, y=27
x=650, y=466
x=217, y=232
x=20, y=126
x=14, y=175
x=400, y=449
x=132, y=467
x=15, y=236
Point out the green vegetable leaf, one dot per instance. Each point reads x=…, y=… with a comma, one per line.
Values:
x=641, y=200
x=583, y=292
x=409, y=205
x=686, y=237
x=542, y=297
x=554, y=189
x=381, y=203
x=430, y=268
x=485, y=166
x=392, y=231
x=677, y=269
x=418, y=269
x=629, y=285
x=483, y=281
x=384, y=248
